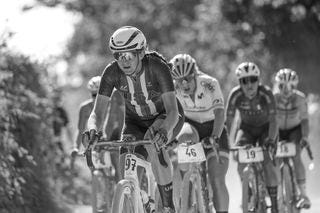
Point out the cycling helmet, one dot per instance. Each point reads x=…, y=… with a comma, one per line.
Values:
x=183, y=65
x=287, y=76
x=93, y=84
x=127, y=38
x=247, y=69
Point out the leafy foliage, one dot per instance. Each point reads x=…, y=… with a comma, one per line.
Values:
x=25, y=135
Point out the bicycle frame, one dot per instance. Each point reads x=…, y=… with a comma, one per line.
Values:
x=253, y=178
x=132, y=162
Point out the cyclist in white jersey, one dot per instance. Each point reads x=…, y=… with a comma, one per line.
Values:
x=201, y=98
x=292, y=117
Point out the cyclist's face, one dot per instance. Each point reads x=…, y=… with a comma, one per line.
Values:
x=129, y=62
x=187, y=84
x=285, y=89
x=249, y=86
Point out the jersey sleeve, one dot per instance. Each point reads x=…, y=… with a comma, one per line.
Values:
x=217, y=97
x=163, y=76
x=270, y=99
x=108, y=80
x=231, y=103
x=302, y=106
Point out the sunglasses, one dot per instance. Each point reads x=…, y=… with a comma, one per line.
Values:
x=186, y=78
x=246, y=80
x=287, y=86
x=124, y=56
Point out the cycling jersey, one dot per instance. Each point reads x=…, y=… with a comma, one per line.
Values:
x=114, y=119
x=207, y=97
x=142, y=94
x=253, y=112
x=290, y=111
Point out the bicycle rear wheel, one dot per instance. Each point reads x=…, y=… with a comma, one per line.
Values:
x=123, y=201
x=288, y=199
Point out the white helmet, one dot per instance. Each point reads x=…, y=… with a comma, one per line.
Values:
x=93, y=84
x=183, y=65
x=247, y=69
x=127, y=38
x=287, y=76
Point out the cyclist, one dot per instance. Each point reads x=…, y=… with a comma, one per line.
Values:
x=293, y=122
x=203, y=104
x=144, y=80
x=257, y=109
x=114, y=119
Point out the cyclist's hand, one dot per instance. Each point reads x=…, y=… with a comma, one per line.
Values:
x=270, y=146
x=91, y=136
x=160, y=136
x=210, y=142
x=304, y=142
x=74, y=152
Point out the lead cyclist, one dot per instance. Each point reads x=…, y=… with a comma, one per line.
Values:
x=293, y=122
x=203, y=104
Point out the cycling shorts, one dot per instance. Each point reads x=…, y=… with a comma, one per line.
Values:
x=138, y=128
x=205, y=130
x=293, y=135
x=248, y=134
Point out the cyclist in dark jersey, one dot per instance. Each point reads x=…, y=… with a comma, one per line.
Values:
x=257, y=109
x=152, y=111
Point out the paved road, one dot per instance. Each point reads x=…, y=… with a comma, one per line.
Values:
x=233, y=183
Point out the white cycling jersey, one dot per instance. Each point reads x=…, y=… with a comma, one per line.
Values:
x=207, y=97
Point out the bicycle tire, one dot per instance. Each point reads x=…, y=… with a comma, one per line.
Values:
x=191, y=197
x=288, y=199
x=249, y=184
x=123, y=201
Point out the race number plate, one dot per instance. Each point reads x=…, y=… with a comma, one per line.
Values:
x=130, y=168
x=251, y=155
x=190, y=154
x=286, y=150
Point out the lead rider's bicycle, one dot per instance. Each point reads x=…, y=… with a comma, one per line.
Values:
x=128, y=197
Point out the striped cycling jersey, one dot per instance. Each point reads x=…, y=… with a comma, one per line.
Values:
x=253, y=112
x=291, y=111
x=142, y=94
x=207, y=97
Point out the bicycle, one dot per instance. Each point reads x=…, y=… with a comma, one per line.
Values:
x=289, y=191
x=103, y=180
x=254, y=191
x=128, y=196
x=194, y=193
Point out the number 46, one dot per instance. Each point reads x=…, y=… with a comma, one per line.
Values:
x=191, y=152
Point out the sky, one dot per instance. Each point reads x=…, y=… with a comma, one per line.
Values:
x=41, y=32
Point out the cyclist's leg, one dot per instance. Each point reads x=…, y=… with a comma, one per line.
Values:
x=295, y=136
x=163, y=173
x=116, y=135
x=217, y=174
x=272, y=175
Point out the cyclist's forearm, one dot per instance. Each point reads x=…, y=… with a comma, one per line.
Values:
x=218, y=122
x=170, y=121
x=273, y=128
x=305, y=128
x=98, y=114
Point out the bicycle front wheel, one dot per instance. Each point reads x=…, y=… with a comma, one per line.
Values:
x=191, y=196
x=249, y=191
x=123, y=200
x=288, y=198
